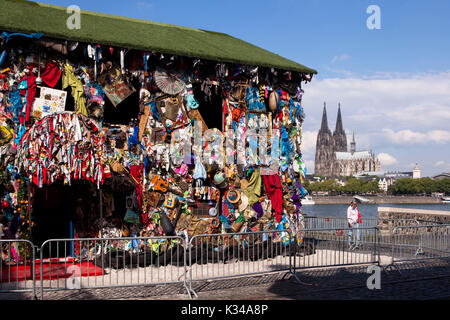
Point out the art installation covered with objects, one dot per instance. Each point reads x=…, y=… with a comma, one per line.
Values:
x=121, y=143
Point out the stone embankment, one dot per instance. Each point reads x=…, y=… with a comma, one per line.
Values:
x=389, y=218
x=377, y=199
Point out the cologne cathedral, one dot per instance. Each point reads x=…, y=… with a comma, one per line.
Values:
x=332, y=156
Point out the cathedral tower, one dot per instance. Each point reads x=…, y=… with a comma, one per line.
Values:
x=340, y=139
x=332, y=157
x=325, y=148
x=353, y=144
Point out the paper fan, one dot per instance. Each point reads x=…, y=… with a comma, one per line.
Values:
x=169, y=81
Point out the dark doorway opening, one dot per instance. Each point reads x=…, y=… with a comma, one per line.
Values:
x=56, y=215
x=210, y=107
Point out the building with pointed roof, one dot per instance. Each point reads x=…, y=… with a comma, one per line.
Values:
x=325, y=147
x=332, y=156
x=340, y=139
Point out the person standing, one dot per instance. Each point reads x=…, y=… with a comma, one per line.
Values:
x=353, y=219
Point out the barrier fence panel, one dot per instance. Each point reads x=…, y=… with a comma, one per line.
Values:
x=17, y=267
x=420, y=242
x=88, y=263
x=315, y=222
x=214, y=256
x=338, y=247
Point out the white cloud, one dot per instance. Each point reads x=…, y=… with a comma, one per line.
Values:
x=386, y=159
x=309, y=139
x=442, y=166
x=409, y=136
x=341, y=57
x=308, y=149
x=402, y=102
x=401, y=114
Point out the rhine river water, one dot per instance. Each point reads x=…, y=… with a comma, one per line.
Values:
x=367, y=210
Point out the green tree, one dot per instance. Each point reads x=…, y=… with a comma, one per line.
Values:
x=443, y=185
x=353, y=185
x=371, y=186
x=325, y=185
x=306, y=184
x=419, y=186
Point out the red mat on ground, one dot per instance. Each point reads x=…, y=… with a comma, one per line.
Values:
x=52, y=269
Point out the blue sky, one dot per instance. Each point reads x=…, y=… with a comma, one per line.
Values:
x=393, y=83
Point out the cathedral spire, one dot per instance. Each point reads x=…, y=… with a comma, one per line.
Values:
x=340, y=139
x=339, y=126
x=353, y=144
x=324, y=126
x=325, y=155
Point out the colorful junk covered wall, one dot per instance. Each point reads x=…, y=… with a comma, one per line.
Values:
x=135, y=126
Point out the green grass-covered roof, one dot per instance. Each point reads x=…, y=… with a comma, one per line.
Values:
x=32, y=17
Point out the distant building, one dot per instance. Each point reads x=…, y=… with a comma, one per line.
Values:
x=398, y=175
x=333, y=159
x=416, y=172
x=325, y=148
x=362, y=174
x=384, y=183
x=312, y=178
x=443, y=175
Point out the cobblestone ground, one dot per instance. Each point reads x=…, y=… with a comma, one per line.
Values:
x=416, y=280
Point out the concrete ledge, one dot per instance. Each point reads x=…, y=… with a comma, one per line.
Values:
x=379, y=199
x=389, y=218
x=412, y=211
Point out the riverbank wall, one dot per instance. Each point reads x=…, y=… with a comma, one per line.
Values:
x=389, y=218
x=378, y=199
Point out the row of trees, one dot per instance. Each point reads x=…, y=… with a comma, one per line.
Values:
x=352, y=186
x=420, y=186
x=370, y=185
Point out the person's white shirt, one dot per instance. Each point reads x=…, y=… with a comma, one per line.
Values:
x=352, y=215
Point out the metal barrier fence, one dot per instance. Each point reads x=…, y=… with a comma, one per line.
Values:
x=91, y=263
x=111, y=262
x=17, y=267
x=314, y=222
x=214, y=256
x=338, y=247
x=421, y=242
x=243, y=254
